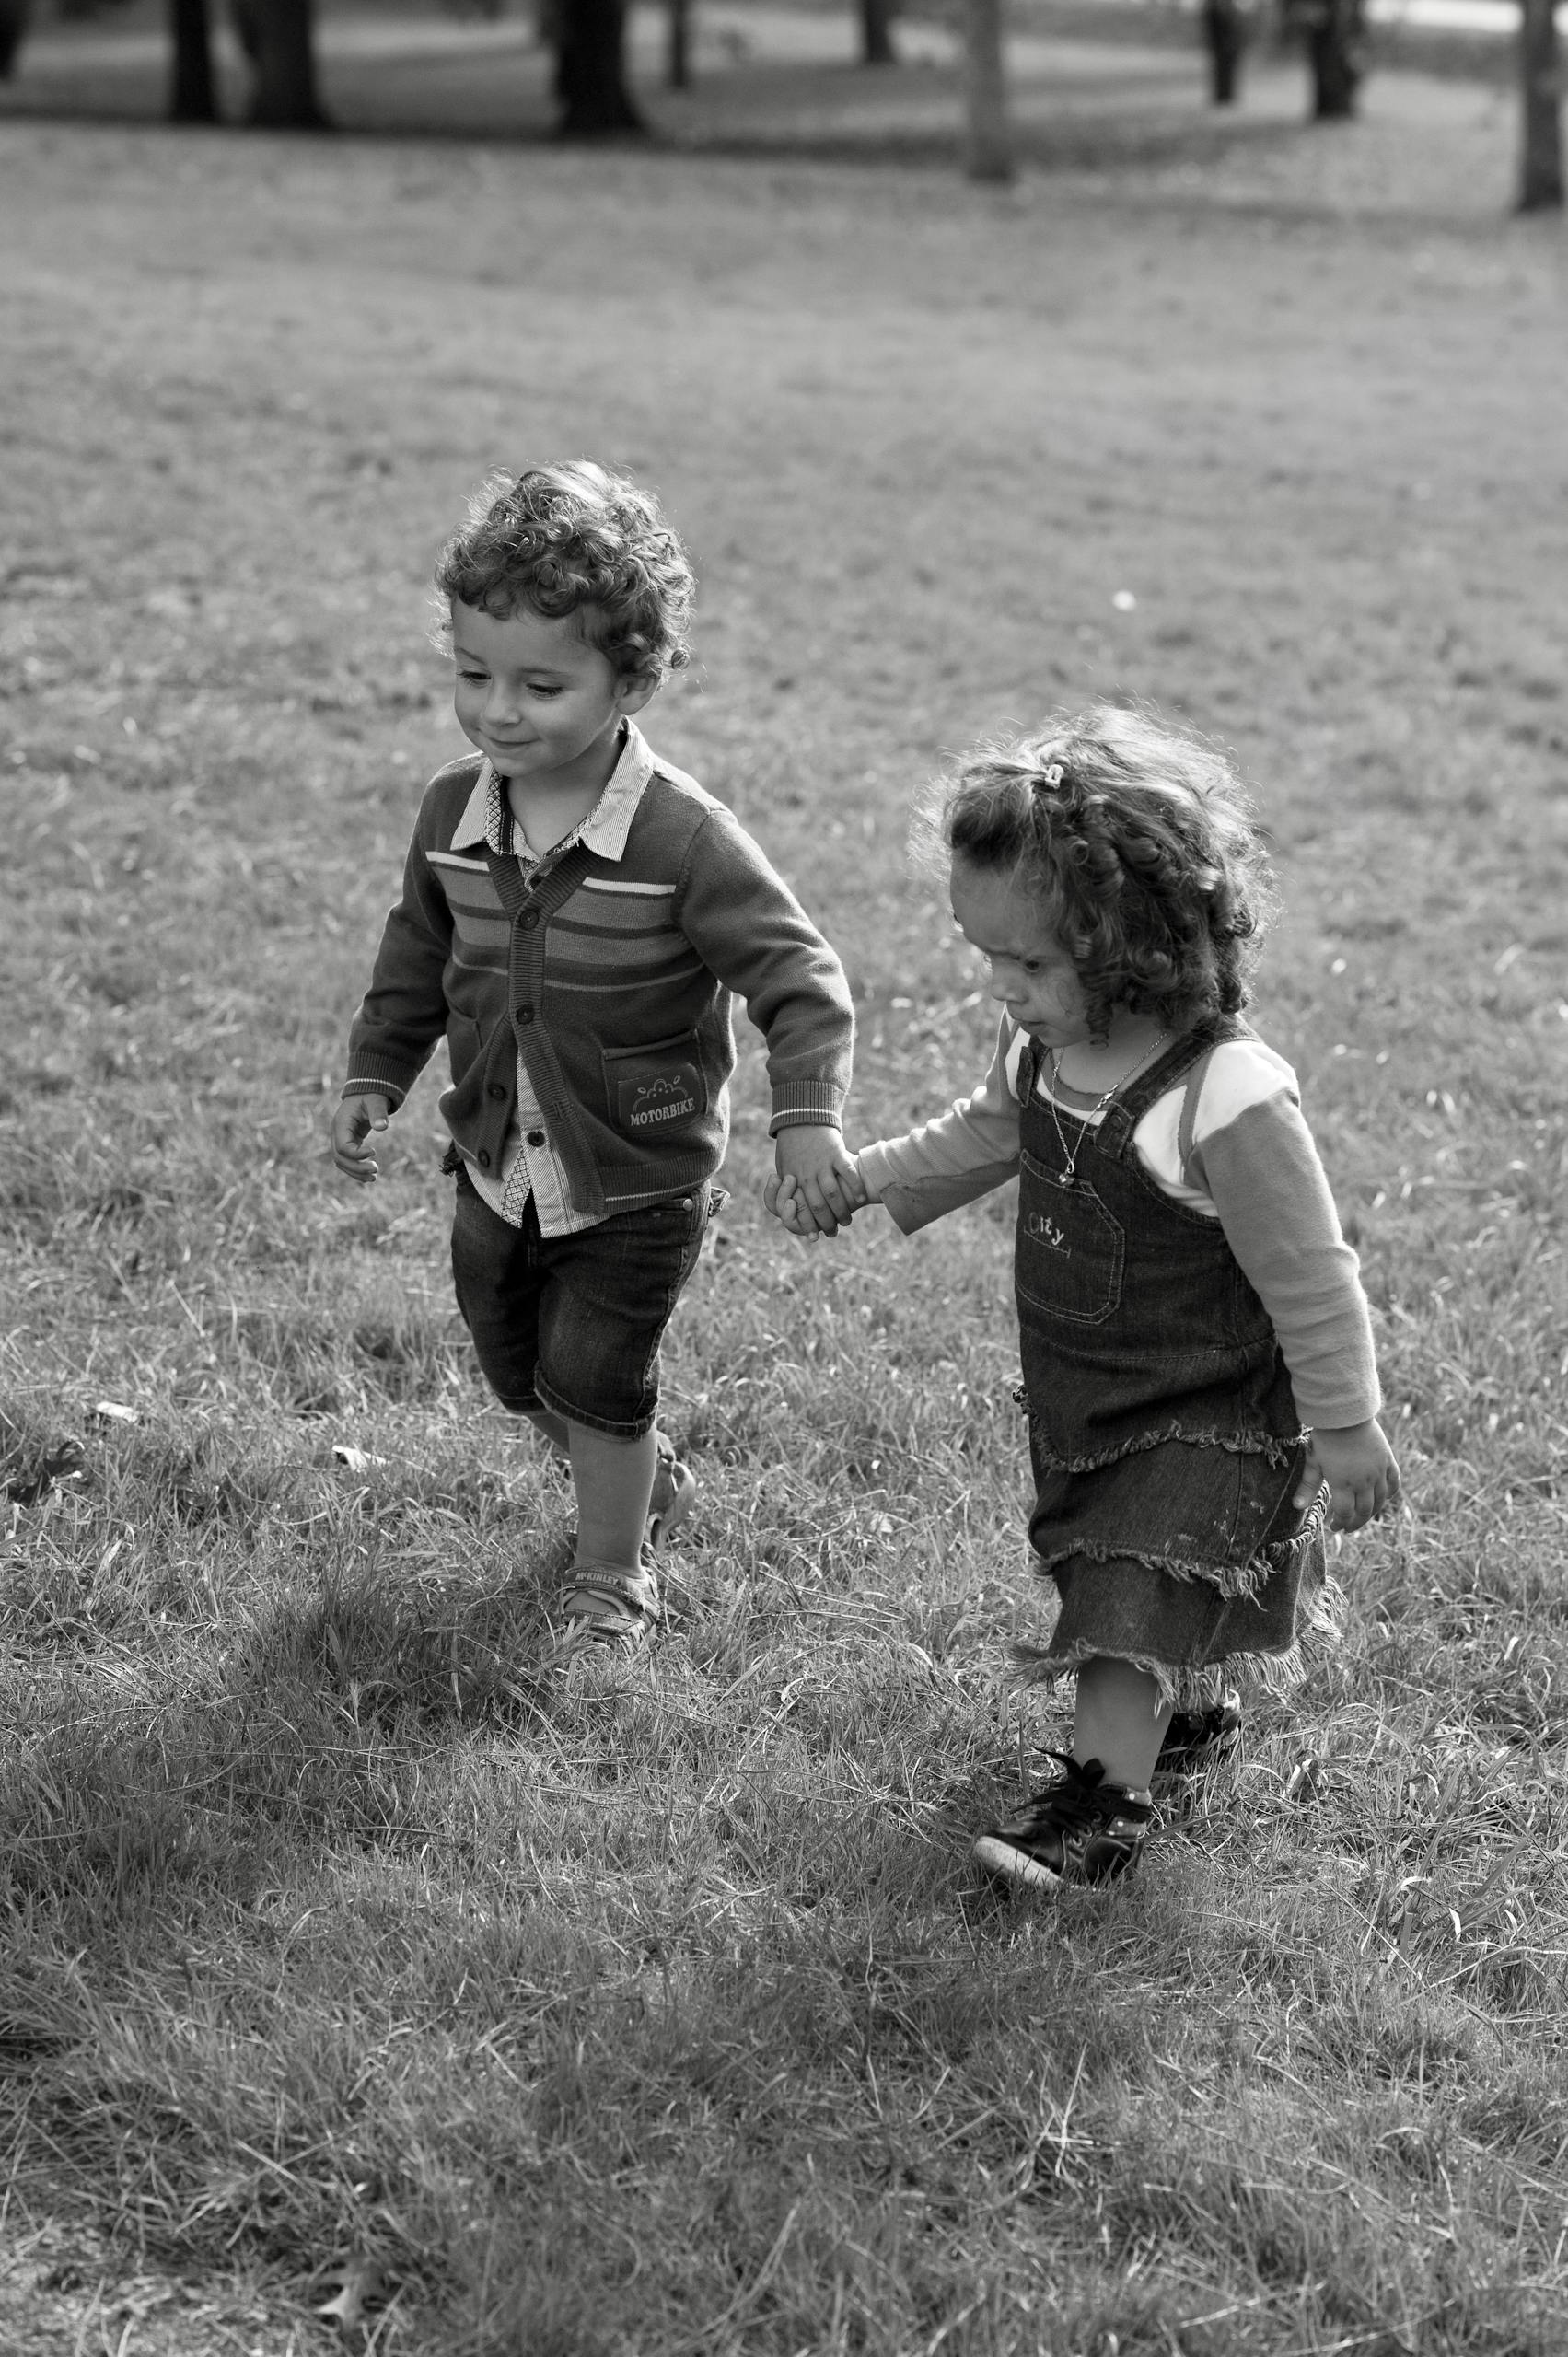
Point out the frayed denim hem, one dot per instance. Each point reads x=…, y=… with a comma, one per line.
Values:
x=1198, y=1686
x=1277, y=1448
x=1230, y=1580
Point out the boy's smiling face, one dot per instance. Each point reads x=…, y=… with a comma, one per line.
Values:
x=538, y=697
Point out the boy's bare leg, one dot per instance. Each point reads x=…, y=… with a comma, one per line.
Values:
x=614, y=1482
x=1119, y=1721
x=552, y=1428
x=673, y=1485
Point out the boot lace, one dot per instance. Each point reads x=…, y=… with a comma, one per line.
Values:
x=1077, y=1803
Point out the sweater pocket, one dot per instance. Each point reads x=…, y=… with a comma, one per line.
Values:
x=464, y=1043
x=658, y=1090
x=462, y=1107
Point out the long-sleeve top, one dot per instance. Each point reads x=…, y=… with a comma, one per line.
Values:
x=1229, y=1143
x=605, y=973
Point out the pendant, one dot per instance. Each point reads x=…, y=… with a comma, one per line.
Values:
x=1066, y=1179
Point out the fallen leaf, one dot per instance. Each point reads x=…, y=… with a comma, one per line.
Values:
x=361, y=2279
x=359, y=1460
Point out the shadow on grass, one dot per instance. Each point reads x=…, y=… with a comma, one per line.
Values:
x=185, y=1945
x=315, y=1735
x=1125, y=163
x=1068, y=144
x=1130, y=117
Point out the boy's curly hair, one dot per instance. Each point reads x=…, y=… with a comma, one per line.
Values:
x=574, y=537
x=1140, y=840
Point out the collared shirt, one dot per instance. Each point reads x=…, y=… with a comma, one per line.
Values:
x=530, y=1165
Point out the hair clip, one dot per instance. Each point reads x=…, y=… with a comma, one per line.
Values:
x=1053, y=775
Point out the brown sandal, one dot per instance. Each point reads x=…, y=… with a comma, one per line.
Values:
x=603, y=1606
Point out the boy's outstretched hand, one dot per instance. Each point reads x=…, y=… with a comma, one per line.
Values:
x=1358, y=1465
x=353, y=1122
x=817, y=1190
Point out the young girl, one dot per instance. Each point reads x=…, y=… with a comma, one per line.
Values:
x=1197, y=1357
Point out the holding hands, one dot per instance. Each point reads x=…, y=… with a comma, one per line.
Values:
x=817, y=1188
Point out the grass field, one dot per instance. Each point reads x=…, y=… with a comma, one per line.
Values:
x=349, y=1955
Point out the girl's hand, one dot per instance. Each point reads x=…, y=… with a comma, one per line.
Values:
x=353, y=1121
x=1358, y=1465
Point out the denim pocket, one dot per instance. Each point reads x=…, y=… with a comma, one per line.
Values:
x=658, y=1090
x=1069, y=1251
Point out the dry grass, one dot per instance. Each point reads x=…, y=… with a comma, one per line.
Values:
x=341, y=1941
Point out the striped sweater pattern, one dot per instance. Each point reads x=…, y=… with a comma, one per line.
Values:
x=613, y=980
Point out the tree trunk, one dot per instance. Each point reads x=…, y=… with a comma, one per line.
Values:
x=877, y=32
x=678, y=56
x=1541, y=62
x=245, y=16
x=283, y=95
x=988, y=142
x=14, y=16
x=1224, y=37
x=1334, y=49
x=590, y=73
x=193, y=94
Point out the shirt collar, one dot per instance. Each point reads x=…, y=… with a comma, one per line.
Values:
x=604, y=828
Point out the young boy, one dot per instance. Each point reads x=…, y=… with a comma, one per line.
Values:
x=575, y=915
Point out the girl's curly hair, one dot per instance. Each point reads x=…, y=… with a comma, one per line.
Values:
x=1140, y=840
x=575, y=538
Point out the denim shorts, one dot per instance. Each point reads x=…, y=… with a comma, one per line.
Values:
x=572, y=1323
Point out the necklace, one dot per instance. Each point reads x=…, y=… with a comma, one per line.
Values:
x=1070, y=1153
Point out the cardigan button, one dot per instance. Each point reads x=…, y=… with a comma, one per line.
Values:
x=528, y=919
x=495, y=1089
x=483, y=1158
x=525, y=1014
x=536, y=1137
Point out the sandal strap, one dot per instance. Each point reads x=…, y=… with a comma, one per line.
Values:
x=638, y=1589
x=588, y=1601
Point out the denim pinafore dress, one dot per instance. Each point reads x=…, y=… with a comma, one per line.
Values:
x=1164, y=1437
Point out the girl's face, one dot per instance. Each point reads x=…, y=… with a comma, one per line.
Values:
x=1031, y=974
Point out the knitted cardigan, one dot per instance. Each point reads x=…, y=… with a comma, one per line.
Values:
x=612, y=979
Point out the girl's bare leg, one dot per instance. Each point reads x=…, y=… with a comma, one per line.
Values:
x=1119, y=1721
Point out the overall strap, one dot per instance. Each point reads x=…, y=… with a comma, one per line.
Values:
x=1186, y=1122
x=1183, y=1060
